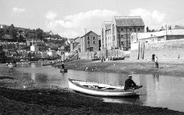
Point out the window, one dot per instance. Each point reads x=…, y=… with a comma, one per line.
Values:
x=139, y=29
x=93, y=38
x=90, y=49
x=88, y=38
x=121, y=29
x=88, y=42
x=130, y=29
x=93, y=42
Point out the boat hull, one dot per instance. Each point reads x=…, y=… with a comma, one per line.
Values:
x=100, y=92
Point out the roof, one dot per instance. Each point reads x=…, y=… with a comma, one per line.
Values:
x=160, y=33
x=129, y=21
x=179, y=27
x=89, y=33
x=107, y=25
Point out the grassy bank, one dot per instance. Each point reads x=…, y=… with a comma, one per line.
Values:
x=41, y=99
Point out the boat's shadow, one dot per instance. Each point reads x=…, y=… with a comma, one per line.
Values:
x=125, y=100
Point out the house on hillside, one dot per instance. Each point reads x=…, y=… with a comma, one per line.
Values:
x=36, y=45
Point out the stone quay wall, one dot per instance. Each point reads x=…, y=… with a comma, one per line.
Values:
x=164, y=50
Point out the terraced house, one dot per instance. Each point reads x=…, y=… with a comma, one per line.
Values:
x=116, y=33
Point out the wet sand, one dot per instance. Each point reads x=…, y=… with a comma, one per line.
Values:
x=28, y=97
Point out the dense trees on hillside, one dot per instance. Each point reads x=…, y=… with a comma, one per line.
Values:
x=17, y=34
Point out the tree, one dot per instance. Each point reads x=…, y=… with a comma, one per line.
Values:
x=1, y=33
x=39, y=34
x=20, y=36
x=13, y=32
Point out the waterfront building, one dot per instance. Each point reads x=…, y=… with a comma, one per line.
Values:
x=107, y=40
x=123, y=27
x=116, y=34
x=90, y=42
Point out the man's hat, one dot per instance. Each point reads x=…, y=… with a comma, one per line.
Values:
x=129, y=76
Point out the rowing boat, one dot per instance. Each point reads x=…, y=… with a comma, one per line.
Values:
x=63, y=70
x=98, y=89
x=11, y=66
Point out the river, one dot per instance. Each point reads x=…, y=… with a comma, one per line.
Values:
x=157, y=90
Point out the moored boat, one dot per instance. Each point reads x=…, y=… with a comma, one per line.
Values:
x=97, y=89
x=63, y=70
x=47, y=64
x=11, y=66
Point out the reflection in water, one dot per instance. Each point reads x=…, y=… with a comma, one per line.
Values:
x=131, y=100
x=157, y=90
x=33, y=76
x=41, y=78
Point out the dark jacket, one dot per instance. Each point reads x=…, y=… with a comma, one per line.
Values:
x=129, y=83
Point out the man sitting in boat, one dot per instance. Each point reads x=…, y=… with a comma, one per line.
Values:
x=129, y=83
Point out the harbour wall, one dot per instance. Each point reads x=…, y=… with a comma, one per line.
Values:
x=164, y=50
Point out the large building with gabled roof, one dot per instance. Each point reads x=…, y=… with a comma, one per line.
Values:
x=117, y=35
x=90, y=42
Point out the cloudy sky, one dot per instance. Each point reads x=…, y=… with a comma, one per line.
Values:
x=70, y=18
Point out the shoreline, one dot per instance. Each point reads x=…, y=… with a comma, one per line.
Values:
x=43, y=99
x=170, y=68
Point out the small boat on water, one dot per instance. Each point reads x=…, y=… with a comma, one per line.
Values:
x=97, y=89
x=10, y=65
x=63, y=70
x=47, y=64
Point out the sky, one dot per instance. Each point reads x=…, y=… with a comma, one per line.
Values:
x=73, y=18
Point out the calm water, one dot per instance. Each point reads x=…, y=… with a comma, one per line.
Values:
x=157, y=91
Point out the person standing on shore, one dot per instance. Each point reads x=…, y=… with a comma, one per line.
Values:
x=153, y=57
x=156, y=62
x=62, y=65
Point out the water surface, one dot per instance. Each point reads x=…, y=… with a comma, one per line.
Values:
x=157, y=91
